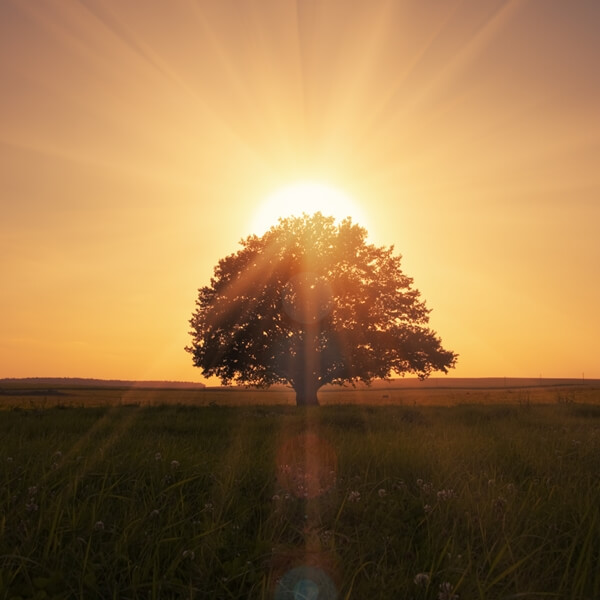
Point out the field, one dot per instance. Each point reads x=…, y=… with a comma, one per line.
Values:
x=486, y=493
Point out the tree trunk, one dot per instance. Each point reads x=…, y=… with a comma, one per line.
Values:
x=307, y=397
x=306, y=385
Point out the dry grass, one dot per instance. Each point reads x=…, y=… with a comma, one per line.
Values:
x=402, y=393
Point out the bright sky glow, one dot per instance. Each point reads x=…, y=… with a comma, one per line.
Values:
x=140, y=141
x=306, y=197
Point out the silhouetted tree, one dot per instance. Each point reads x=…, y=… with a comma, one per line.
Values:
x=311, y=303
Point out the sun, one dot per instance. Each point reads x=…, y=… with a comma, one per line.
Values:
x=306, y=197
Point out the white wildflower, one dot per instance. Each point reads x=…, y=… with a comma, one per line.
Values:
x=382, y=493
x=276, y=498
x=99, y=526
x=447, y=592
x=174, y=464
x=354, y=496
x=446, y=494
x=33, y=490
x=327, y=535
x=158, y=456
x=499, y=505
x=427, y=508
x=189, y=554
x=421, y=579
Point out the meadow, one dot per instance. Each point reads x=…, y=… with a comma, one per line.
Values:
x=485, y=494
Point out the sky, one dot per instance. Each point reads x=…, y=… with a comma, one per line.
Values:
x=140, y=140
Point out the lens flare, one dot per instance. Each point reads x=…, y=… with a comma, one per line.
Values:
x=306, y=466
x=307, y=298
x=306, y=583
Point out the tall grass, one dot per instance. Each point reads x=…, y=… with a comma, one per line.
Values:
x=484, y=502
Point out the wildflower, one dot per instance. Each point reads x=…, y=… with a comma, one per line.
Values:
x=174, y=465
x=276, y=498
x=189, y=554
x=500, y=506
x=209, y=506
x=491, y=482
x=446, y=592
x=327, y=535
x=57, y=455
x=154, y=513
x=446, y=494
x=99, y=526
x=158, y=456
x=354, y=496
x=382, y=493
x=427, y=508
x=427, y=488
x=419, y=482
x=31, y=506
x=33, y=490
x=9, y=459
x=421, y=579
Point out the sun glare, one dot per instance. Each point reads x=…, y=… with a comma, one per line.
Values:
x=306, y=197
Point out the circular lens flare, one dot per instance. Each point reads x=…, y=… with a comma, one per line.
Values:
x=306, y=583
x=307, y=298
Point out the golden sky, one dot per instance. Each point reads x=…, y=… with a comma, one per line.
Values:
x=138, y=141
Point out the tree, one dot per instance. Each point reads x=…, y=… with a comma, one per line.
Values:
x=311, y=303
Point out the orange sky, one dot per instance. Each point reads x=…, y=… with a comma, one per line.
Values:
x=139, y=139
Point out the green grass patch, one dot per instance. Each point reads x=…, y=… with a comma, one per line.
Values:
x=484, y=502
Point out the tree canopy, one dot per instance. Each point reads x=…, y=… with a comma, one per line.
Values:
x=311, y=303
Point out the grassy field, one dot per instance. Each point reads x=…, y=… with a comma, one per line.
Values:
x=491, y=497
x=402, y=392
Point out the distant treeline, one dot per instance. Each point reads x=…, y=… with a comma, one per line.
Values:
x=79, y=382
x=478, y=382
